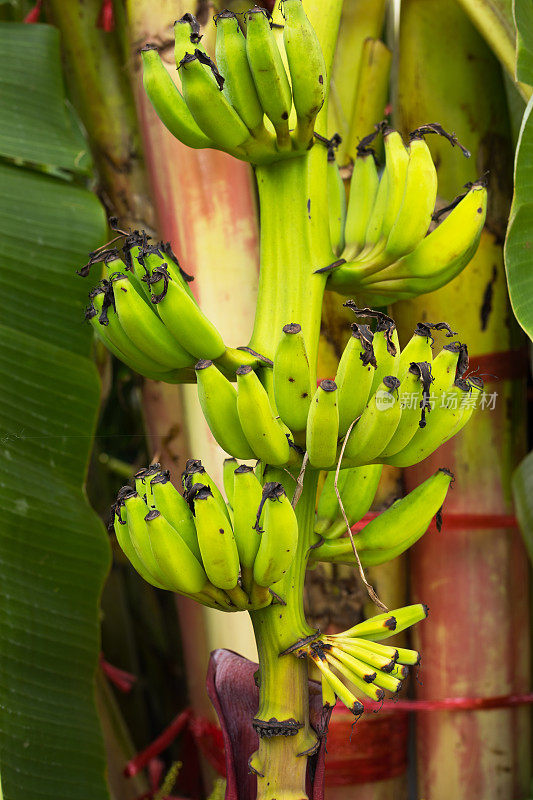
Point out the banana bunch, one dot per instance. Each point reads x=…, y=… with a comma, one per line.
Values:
x=355, y=658
x=386, y=251
x=392, y=532
x=224, y=555
x=245, y=103
x=145, y=313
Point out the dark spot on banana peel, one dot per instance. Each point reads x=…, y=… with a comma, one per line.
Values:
x=486, y=304
x=244, y=369
x=304, y=394
x=321, y=79
x=328, y=385
x=391, y=382
x=285, y=115
x=291, y=380
x=204, y=363
x=292, y=327
x=370, y=677
x=152, y=514
x=334, y=265
x=390, y=623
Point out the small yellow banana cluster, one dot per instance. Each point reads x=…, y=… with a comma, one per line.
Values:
x=224, y=555
x=386, y=253
x=244, y=104
x=355, y=658
x=388, y=535
x=145, y=313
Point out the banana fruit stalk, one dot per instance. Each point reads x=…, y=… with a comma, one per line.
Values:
x=188, y=543
x=242, y=103
x=390, y=251
x=354, y=664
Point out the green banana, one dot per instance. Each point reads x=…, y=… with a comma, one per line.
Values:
x=211, y=110
x=337, y=686
x=123, y=535
x=182, y=317
x=215, y=537
x=168, y=102
x=394, y=530
x=268, y=72
x=376, y=426
x=239, y=87
x=413, y=394
x=386, y=350
x=229, y=466
x=357, y=494
x=336, y=204
x=405, y=617
x=143, y=482
x=355, y=376
x=175, y=509
x=328, y=695
x=359, y=668
x=417, y=203
x=292, y=378
x=356, y=648
x=247, y=497
x=218, y=399
x=327, y=509
x=261, y=428
x=363, y=190
x=150, y=256
x=322, y=430
x=307, y=69
x=408, y=657
x=195, y=473
x=418, y=348
x=182, y=570
x=104, y=320
x=360, y=684
x=451, y=412
x=145, y=328
x=279, y=535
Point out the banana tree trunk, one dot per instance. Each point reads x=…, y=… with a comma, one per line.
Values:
x=475, y=582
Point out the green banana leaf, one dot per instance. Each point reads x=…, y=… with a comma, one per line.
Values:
x=519, y=238
x=523, y=499
x=54, y=552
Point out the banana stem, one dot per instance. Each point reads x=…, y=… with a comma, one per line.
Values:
x=283, y=692
x=294, y=243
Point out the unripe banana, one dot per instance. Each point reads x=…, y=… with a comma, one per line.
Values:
x=246, y=501
x=218, y=399
x=124, y=538
x=360, y=684
x=262, y=430
x=268, y=72
x=363, y=190
x=389, y=196
x=373, y=628
x=239, y=86
x=418, y=348
x=150, y=256
x=405, y=617
x=414, y=394
x=175, y=509
x=195, y=473
x=337, y=686
x=168, y=102
x=355, y=376
x=328, y=695
x=206, y=102
x=386, y=351
x=451, y=412
x=182, y=317
x=145, y=329
x=394, y=530
x=136, y=512
x=181, y=568
x=450, y=246
x=417, y=203
x=229, y=466
x=328, y=509
x=376, y=426
x=358, y=667
x=292, y=378
x=336, y=204
x=215, y=537
x=105, y=323
x=322, y=430
x=187, y=38
x=143, y=482
x=279, y=536
x=384, y=660
x=357, y=495
x=307, y=69
x=408, y=657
